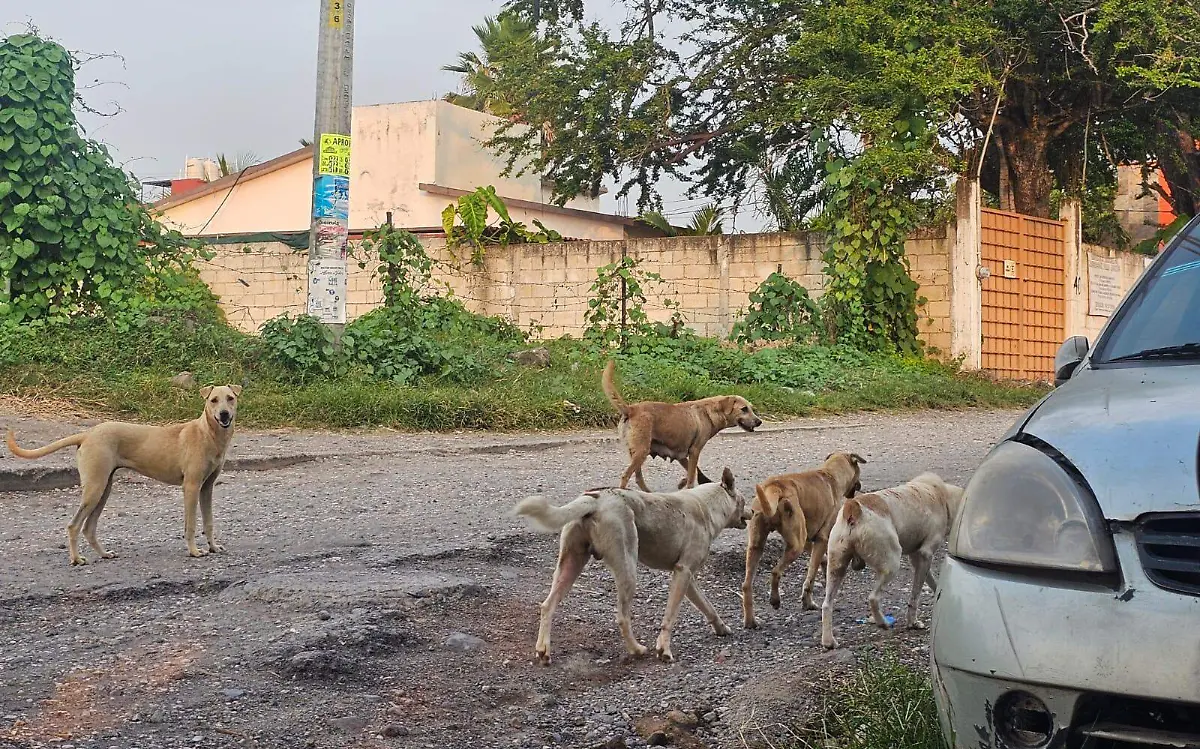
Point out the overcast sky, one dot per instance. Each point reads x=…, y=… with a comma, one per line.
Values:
x=201, y=77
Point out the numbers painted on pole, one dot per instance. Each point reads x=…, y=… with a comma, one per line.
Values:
x=337, y=13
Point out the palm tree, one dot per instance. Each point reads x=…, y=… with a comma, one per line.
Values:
x=478, y=70
x=242, y=161
x=705, y=222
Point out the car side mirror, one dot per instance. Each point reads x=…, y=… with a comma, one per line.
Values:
x=1070, y=355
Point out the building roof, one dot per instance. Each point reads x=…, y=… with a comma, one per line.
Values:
x=279, y=162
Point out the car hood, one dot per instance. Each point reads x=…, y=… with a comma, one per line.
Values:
x=1133, y=432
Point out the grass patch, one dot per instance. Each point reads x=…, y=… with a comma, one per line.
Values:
x=883, y=704
x=124, y=370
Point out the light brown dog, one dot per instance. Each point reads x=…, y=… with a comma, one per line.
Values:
x=802, y=508
x=189, y=454
x=876, y=529
x=675, y=431
x=668, y=531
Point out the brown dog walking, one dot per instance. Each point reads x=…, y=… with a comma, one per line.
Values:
x=189, y=455
x=675, y=431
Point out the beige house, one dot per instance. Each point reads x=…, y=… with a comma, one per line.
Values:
x=410, y=159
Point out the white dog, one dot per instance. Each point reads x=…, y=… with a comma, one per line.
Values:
x=876, y=529
x=665, y=531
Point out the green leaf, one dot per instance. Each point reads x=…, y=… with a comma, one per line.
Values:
x=25, y=118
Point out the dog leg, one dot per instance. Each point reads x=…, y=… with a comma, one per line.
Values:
x=572, y=558
x=89, y=525
x=94, y=484
x=624, y=570
x=696, y=596
x=835, y=573
x=884, y=576
x=681, y=578
x=815, y=561
x=641, y=480
x=756, y=540
x=206, y=511
x=191, y=502
x=790, y=554
x=693, y=465
x=921, y=560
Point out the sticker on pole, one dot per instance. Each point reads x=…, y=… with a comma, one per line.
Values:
x=331, y=239
x=333, y=157
x=331, y=198
x=327, y=290
x=337, y=13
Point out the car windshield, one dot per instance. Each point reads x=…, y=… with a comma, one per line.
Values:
x=1163, y=319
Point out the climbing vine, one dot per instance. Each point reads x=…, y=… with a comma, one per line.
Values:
x=75, y=237
x=870, y=298
x=780, y=310
x=625, y=279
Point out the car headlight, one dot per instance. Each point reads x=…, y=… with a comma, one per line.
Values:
x=1021, y=508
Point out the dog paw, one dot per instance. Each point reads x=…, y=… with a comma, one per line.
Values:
x=917, y=624
x=542, y=657
x=722, y=629
x=639, y=650
x=776, y=602
x=216, y=548
x=829, y=643
x=666, y=656
x=808, y=604
x=109, y=555
x=750, y=623
x=197, y=552
x=79, y=561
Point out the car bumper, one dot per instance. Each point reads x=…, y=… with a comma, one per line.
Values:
x=1092, y=656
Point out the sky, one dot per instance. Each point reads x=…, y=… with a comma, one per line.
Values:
x=201, y=77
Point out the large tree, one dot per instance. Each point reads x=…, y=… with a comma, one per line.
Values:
x=740, y=90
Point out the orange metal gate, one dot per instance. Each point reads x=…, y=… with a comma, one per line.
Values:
x=1023, y=300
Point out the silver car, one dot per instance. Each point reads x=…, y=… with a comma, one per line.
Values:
x=1068, y=609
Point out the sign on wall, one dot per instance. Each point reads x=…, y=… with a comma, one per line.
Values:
x=1104, y=285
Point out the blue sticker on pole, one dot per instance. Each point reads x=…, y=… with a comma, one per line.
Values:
x=331, y=197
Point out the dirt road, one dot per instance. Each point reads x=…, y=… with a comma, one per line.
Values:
x=383, y=597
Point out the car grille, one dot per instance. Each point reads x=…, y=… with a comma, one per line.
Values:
x=1169, y=546
x=1112, y=722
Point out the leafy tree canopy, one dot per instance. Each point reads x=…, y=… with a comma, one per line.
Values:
x=738, y=92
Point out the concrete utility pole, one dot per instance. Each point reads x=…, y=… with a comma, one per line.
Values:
x=331, y=166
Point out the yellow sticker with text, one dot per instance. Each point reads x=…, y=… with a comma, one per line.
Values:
x=334, y=155
x=337, y=13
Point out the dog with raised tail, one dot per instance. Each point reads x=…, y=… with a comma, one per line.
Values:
x=674, y=431
x=620, y=527
x=875, y=530
x=190, y=455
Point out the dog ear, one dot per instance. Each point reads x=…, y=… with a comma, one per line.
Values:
x=206, y=391
x=858, y=459
x=237, y=390
x=727, y=480
x=830, y=455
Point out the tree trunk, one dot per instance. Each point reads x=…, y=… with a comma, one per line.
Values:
x=1030, y=179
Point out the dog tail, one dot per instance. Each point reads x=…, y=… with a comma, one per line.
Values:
x=852, y=512
x=547, y=518
x=610, y=388
x=20, y=452
x=770, y=501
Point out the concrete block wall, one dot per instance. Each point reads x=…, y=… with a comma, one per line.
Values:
x=545, y=288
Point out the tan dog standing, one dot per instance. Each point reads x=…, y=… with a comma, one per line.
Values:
x=620, y=527
x=802, y=508
x=876, y=529
x=675, y=431
x=189, y=455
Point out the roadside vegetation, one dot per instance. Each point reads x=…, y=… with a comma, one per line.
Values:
x=100, y=307
x=883, y=704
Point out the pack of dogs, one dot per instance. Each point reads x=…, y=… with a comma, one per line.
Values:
x=822, y=511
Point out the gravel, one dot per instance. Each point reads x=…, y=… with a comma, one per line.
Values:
x=388, y=598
